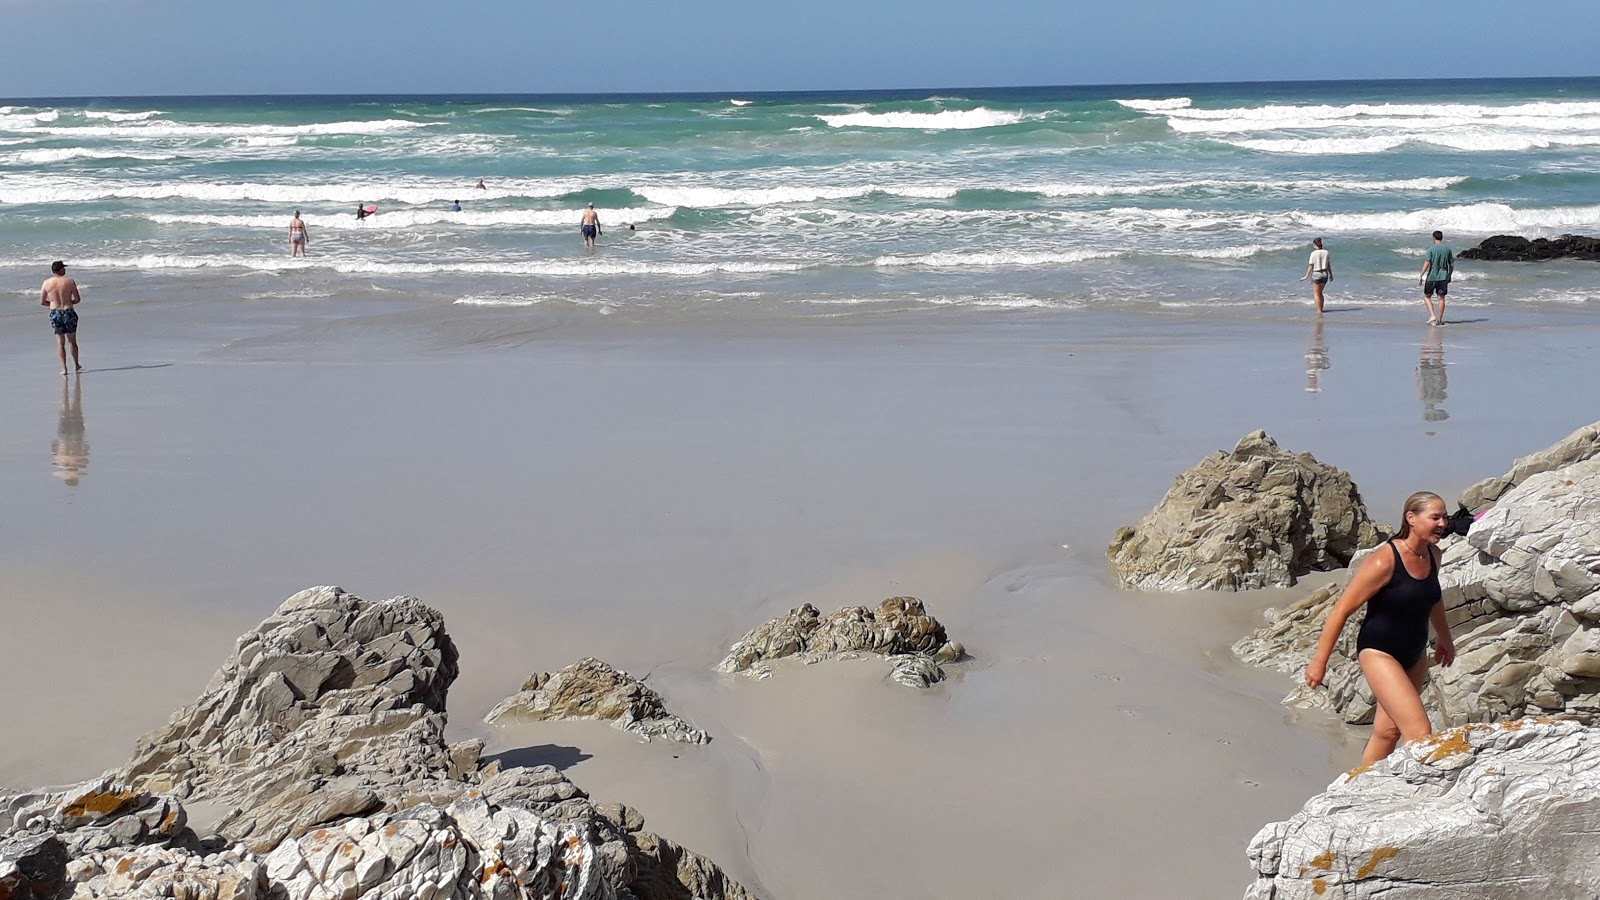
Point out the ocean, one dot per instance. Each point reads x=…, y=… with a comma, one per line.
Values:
x=808, y=205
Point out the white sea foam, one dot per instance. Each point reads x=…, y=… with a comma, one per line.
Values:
x=222, y=130
x=562, y=111
x=590, y=266
x=1479, y=218
x=413, y=218
x=960, y=259
x=1326, y=185
x=62, y=154
x=1472, y=141
x=741, y=102
x=949, y=119
x=19, y=190
x=122, y=116
x=1169, y=103
x=1275, y=115
x=265, y=141
x=713, y=198
x=1241, y=252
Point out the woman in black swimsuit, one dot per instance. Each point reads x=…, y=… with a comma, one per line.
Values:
x=1400, y=587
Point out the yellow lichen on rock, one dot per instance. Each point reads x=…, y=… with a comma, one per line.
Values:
x=1377, y=857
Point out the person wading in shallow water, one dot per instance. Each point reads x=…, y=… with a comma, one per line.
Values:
x=297, y=235
x=60, y=293
x=1319, y=270
x=590, y=226
x=1399, y=583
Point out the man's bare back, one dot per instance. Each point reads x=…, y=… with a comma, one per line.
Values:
x=59, y=292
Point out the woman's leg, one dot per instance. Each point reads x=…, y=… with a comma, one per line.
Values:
x=1401, y=716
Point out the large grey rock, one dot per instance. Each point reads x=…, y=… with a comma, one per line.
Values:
x=591, y=689
x=1510, y=812
x=1522, y=595
x=1576, y=447
x=321, y=742
x=332, y=707
x=1258, y=517
x=899, y=629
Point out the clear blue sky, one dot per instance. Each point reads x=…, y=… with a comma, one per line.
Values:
x=128, y=47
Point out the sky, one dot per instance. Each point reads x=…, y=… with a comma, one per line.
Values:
x=60, y=48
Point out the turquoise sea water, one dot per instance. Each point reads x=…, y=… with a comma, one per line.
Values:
x=812, y=204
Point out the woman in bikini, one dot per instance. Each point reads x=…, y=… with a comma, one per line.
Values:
x=1400, y=588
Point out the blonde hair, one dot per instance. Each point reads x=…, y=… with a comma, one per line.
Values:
x=1415, y=503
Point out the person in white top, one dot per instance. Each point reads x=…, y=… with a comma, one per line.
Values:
x=1319, y=270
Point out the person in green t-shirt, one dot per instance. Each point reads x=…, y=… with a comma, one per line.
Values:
x=1436, y=272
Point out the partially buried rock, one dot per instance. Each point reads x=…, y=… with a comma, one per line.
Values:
x=1258, y=517
x=591, y=689
x=1504, y=811
x=1511, y=248
x=899, y=629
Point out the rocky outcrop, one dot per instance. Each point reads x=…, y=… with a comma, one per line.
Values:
x=333, y=707
x=899, y=629
x=1509, y=811
x=321, y=743
x=591, y=689
x=1576, y=447
x=1521, y=593
x=1510, y=248
x=1258, y=517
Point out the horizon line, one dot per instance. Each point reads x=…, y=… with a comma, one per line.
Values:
x=881, y=90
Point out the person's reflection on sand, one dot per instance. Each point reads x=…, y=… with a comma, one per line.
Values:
x=1431, y=381
x=70, y=450
x=1316, y=358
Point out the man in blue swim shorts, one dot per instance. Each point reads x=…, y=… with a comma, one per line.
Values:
x=590, y=226
x=60, y=294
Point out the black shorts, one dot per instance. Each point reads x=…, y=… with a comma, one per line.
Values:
x=1435, y=287
x=589, y=231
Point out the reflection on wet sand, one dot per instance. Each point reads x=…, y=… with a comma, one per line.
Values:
x=1431, y=381
x=70, y=450
x=1316, y=358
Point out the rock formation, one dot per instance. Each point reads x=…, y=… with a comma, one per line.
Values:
x=1507, y=811
x=591, y=689
x=1521, y=593
x=1510, y=248
x=1257, y=517
x=1576, y=447
x=321, y=740
x=899, y=629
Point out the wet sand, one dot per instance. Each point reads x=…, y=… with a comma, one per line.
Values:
x=645, y=493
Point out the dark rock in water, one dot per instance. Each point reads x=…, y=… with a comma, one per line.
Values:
x=1510, y=248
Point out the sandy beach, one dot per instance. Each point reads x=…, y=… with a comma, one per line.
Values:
x=645, y=492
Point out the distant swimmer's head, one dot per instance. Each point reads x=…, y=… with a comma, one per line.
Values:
x=58, y=267
x=1317, y=243
x=1438, y=235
